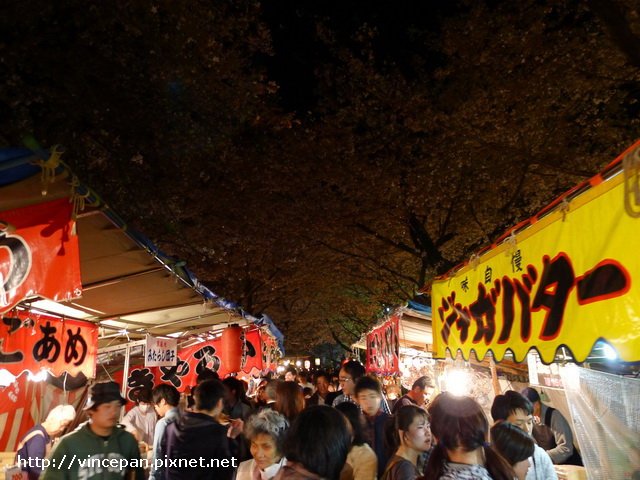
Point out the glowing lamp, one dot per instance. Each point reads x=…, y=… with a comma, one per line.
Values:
x=231, y=346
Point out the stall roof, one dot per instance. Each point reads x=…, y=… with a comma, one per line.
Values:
x=414, y=329
x=128, y=286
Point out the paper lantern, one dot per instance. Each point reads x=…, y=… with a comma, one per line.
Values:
x=231, y=347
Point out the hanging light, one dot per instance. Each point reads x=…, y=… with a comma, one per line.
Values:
x=457, y=381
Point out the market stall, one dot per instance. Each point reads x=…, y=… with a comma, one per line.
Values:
x=552, y=290
x=79, y=285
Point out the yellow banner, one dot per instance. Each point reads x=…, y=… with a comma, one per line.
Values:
x=571, y=278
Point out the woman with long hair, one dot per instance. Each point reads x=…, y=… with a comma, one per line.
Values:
x=515, y=445
x=411, y=437
x=289, y=400
x=462, y=451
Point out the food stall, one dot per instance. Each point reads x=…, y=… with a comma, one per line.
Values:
x=83, y=293
x=551, y=291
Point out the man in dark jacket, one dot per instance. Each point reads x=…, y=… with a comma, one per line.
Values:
x=196, y=446
x=417, y=395
x=368, y=394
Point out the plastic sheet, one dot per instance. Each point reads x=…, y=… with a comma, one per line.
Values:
x=606, y=416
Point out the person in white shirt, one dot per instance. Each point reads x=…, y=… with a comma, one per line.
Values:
x=141, y=419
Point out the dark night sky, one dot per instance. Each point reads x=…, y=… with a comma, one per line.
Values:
x=401, y=28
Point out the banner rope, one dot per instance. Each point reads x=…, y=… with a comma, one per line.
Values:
x=631, y=169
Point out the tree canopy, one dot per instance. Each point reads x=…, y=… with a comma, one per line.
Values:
x=319, y=161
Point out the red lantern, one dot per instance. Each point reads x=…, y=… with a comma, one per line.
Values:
x=231, y=354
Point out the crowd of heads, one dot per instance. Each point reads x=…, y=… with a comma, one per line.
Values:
x=284, y=423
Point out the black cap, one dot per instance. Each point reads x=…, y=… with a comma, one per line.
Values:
x=104, y=392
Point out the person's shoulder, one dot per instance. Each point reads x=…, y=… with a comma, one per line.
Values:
x=245, y=469
x=542, y=464
x=401, y=402
x=122, y=435
x=362, y=452
x=331, y=396
x=398, y=468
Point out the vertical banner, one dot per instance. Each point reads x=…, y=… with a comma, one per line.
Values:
x=38, y=254
x=270, y=351
x=569, y=279
x=383, y=348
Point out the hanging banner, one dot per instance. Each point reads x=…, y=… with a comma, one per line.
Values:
x=31, y=342
x=38, y=254
x=161, y=352
x=193, y=360
x=270, y=351
x=383, y=348
x=569, y=279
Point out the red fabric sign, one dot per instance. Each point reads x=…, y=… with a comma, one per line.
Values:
x=192, y=360
x=383, y=348
x=31, y=342
x=38, y=254
x=25, y=403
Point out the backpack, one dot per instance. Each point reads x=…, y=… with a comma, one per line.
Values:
x=575, y=458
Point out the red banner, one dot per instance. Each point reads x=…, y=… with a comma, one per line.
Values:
x=31, y=342
x=25, y=403
x=383, y=348
x=194, y=359
x=38, y=254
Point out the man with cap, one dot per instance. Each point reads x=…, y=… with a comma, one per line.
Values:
x=98, y=449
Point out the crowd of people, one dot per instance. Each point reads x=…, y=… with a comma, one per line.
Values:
x=299, y=427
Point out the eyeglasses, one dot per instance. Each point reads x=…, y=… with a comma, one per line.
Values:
x=345, y=379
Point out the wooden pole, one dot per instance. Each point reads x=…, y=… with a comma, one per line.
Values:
x=494, y=375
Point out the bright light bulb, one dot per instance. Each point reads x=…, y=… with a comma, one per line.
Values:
x=609, y=352
x=458, y=382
